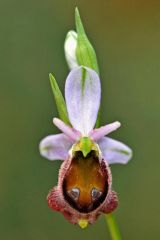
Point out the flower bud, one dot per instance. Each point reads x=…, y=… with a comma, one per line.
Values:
x=70, y=49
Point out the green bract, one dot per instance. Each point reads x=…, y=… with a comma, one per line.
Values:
x=61, y=105
x=85, y=53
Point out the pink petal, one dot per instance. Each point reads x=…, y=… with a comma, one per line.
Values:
x=114, y=151
x=98, y=133
x=55, y=147
x=83, y=93
x=73, y=134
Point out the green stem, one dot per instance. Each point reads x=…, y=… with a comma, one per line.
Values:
x=113, y=227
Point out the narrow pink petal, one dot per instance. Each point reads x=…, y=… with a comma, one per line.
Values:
x=98, y=133
x=55, y=147
x=83, y=93
x=73, y=134
x=114, y=151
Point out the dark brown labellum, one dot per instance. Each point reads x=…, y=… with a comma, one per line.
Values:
x=85, y=184
x=84, y=189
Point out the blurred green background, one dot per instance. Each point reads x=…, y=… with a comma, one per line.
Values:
x=126, y=35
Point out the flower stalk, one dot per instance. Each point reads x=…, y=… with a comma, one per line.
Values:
x=113, y=227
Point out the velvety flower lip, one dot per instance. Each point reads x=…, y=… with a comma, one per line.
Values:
x=57, y=201
x=80, y=145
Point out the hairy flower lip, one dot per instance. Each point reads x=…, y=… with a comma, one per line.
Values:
x=57, y=201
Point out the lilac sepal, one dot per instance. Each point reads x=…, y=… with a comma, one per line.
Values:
x=73, y=134
x=114, y=151
x=98, y=133
x=83, y=93
x=55, y=147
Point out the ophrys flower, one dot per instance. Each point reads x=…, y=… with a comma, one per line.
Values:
x=84, y=189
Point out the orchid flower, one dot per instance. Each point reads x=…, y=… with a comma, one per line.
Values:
x=84, y=189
